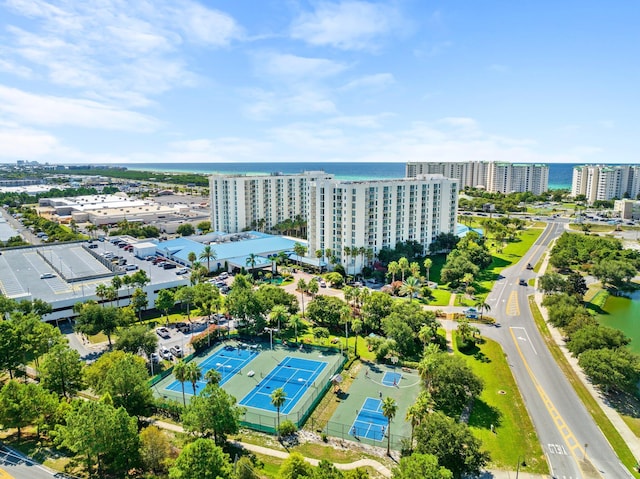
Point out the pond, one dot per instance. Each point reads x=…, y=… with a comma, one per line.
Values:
x=623, y=313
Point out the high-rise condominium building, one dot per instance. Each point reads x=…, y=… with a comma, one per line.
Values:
x=495, y=177
x=239, y=202
x=379, y=213
x=605, y=182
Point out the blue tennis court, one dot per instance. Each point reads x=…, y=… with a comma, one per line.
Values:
x=294, y=375
x=391, y=379
x=370, y=422
x=227, y=361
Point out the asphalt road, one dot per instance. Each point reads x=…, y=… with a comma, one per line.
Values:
x=572, y=442
x=13, y=465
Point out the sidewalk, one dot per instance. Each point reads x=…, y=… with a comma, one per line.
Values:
x=378, y=467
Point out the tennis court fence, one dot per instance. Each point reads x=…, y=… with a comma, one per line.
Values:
x=268, y=422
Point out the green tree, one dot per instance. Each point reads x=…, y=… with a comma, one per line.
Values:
x=452, y=443
x=17, y=406
x=214, y=412
x=326, y=470
x=295, y=467
x=427, y=265
x=295, y=322
x=418, y=411
x=104, y=436
x=326, y=311
x=356, y=327
x=154, y=449
x=421, y=466
x=410, y=287
x=186, y=295
x=180, y=373
x=300, y=250
x=302, y=287
x=92, y=319
x=186, y=229
x=165, y=301
x=62, y=371
x=452, y=384
x=278, y=398
x=12, y=348
x=403, y=264
x=389, y=410
x=208, y=254
x=375, y=308
x=482, y=306
x=204, y=226
x=202, y=459
x=137, y=339
x=596, y=337
x=335, y=279
x=551, y=283
x=124, y=377
x=139, y=301
x=611, y=369
x=393, y=269
x=194, y=374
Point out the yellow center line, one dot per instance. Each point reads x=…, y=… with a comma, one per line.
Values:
x=569, y=438
x=5, y=475
x=541, y=239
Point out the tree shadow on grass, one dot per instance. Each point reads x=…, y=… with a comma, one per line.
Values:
x=483, y=415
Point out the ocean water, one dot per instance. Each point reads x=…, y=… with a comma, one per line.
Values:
x=559, y=173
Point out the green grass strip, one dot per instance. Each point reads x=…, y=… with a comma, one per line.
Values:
x=610, y=432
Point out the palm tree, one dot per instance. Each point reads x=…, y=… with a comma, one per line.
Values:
x=427, y=265
x=425, y=366
x=180, y=373
x=464, y=329
x=389, y=410
x=410, y=287
x=393, y=268
x=418, y=411
x=251, y=261
x=213, y=377
x=278, y=314
x=209, y=254
x=403, y=264
x=347, y=254
x=295, y=321
x=281, y=258
x=302, y=286
x=482, y=305
x=193, y=374
x=92, y=229
x=414, y=269
x=116, y=282
x=192, y=257
x=101, y=292
x=356, y=327
x=111, y=294
x=278, y=397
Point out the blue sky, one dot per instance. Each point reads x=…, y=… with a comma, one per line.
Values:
x=284, y=80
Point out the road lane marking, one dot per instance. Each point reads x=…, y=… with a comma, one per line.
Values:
x=527, y=339
x=541, y=239
x=5, y=475
x=561, y=425
x=513, y=309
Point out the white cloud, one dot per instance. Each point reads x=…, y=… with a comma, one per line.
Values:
x=59, y=111
x=377, y=81
x=348, y=25
x=360, y=121
x=297, y=67
x=24, y=143
x=304, y=102
x=106, y=47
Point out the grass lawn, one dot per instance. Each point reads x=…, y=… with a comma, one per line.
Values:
x=511, y=254
x=593, y=228
x=611, y=433
x=500, y=404
x=442, y=297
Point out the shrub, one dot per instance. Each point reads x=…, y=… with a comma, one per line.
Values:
x=287, y=428
x=323, y=436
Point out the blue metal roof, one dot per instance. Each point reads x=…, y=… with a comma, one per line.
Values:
x=261, y=244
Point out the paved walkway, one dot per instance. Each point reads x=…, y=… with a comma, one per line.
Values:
x=377, y=466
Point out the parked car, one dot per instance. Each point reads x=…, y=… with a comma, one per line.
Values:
x=176, y=351
x=169, y=265
x=47, y=275
x=131, y=267
x=223, y=275
x=182, y=271
x=155, y=358
x=183, y=327
x=165, y=354
x=92, y=246
x=323, y=284
x=163, y=333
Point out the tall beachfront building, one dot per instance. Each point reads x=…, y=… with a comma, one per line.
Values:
x=605, y=182
x=379, y=213
x=495, y=177
x=239, y=202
